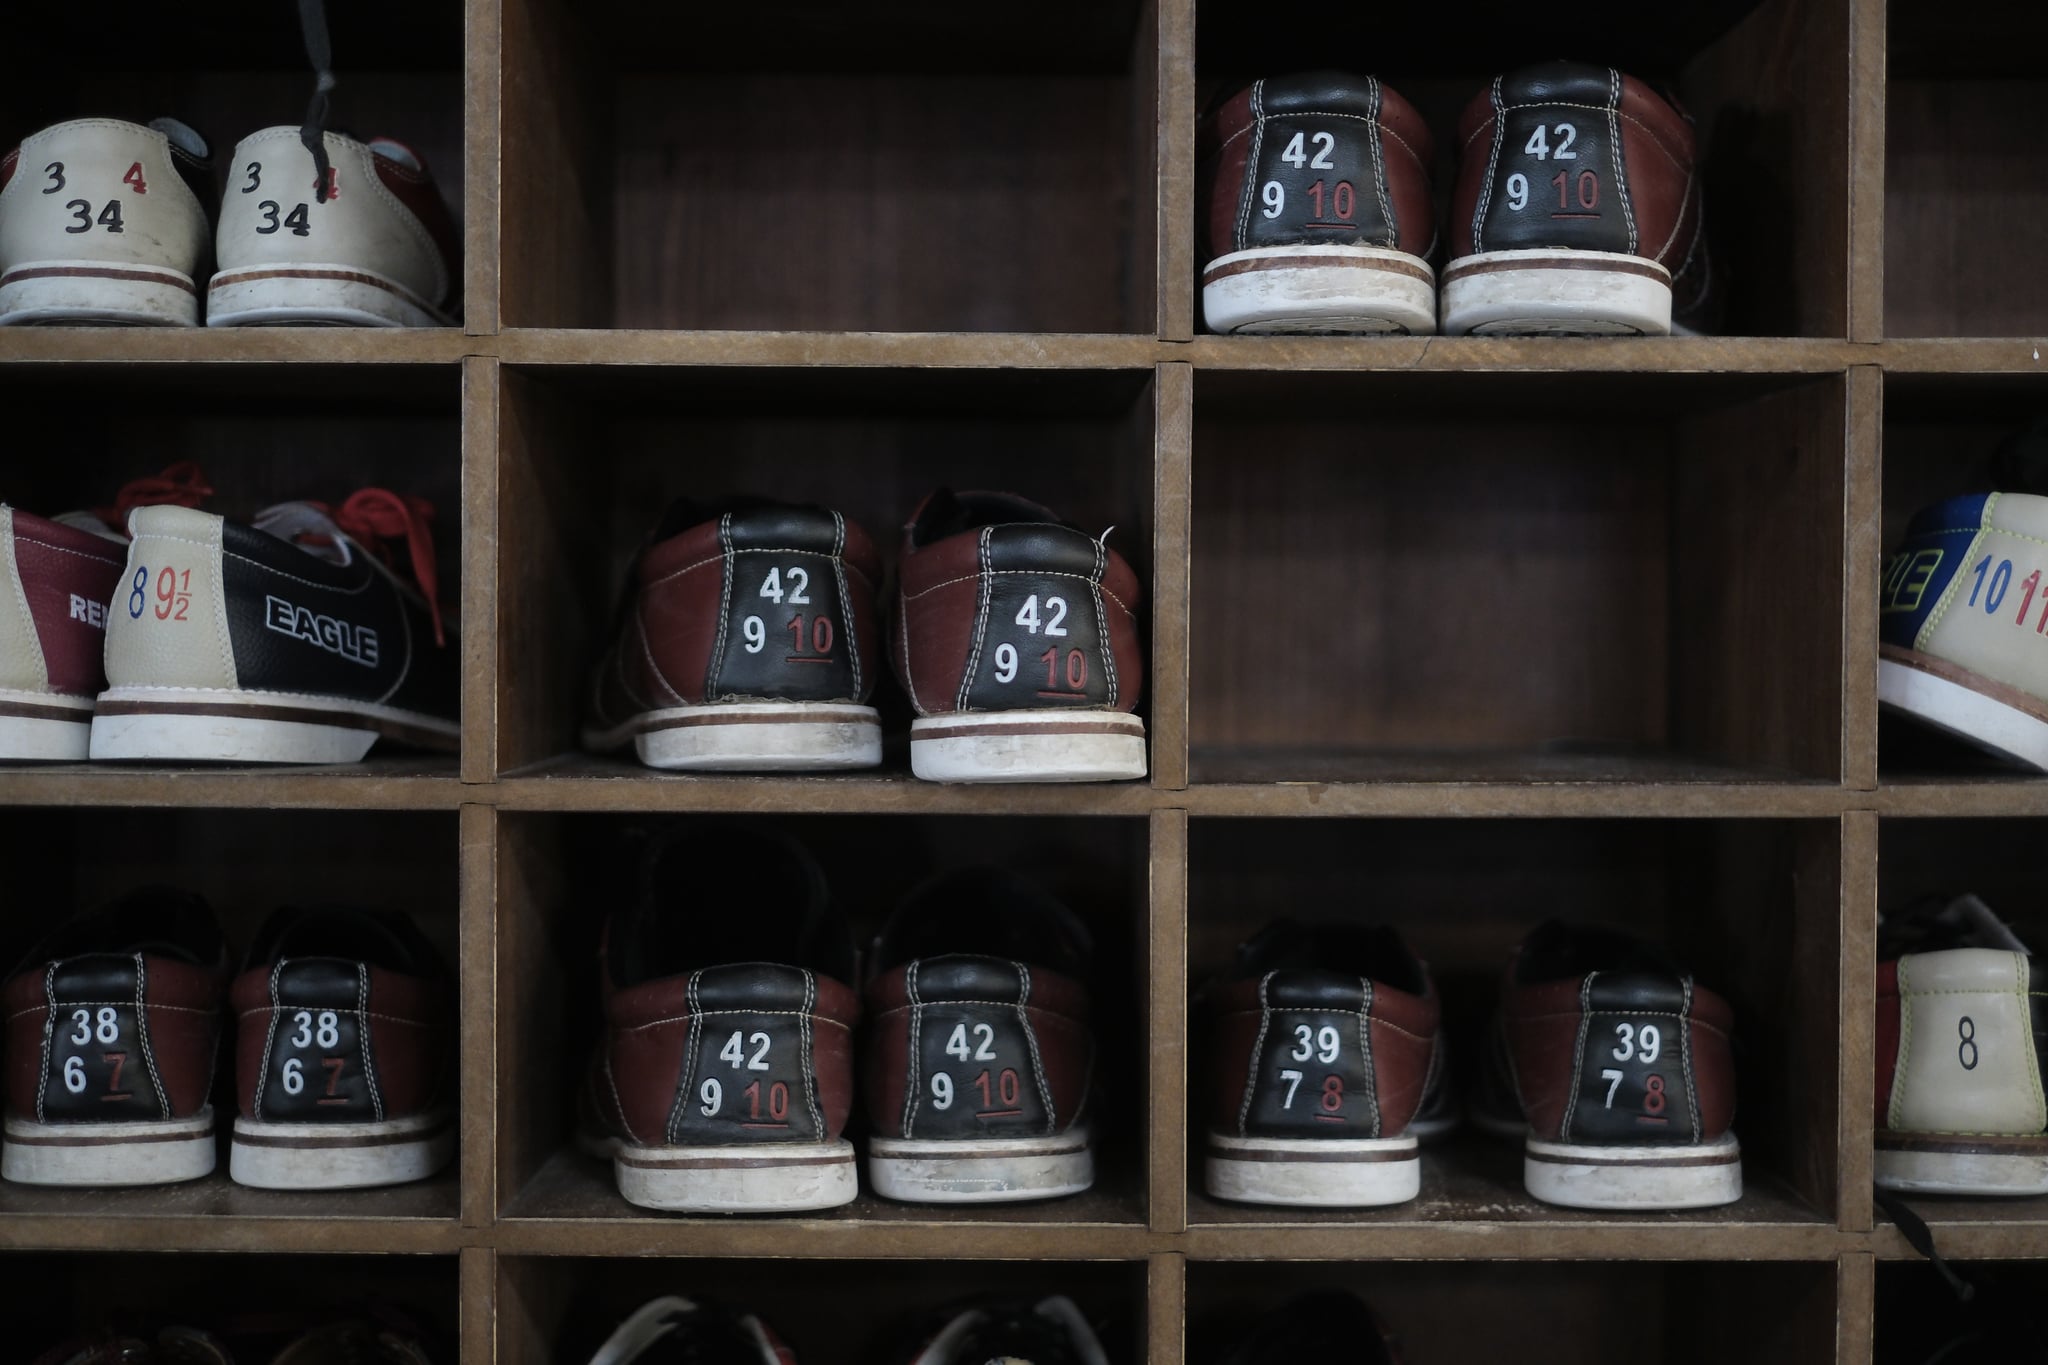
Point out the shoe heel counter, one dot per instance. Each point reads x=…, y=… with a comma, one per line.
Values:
x=1311, y=1068
x=105, y=191
x=168, y=625
x=1047, y=634
x=1553, y=172
x=22, y=666
x=970, y=1051
x=272, y=215
x=95, y=1057
x=1969, y=1052
x=1993, y=617
x=762, y=1062
x=318, y=1063
x=1653, y=1063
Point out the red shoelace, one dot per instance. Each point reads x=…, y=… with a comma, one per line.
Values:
x=374, y=515
x=181, y=485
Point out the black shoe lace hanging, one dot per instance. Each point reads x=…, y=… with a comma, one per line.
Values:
x=1921, y=1238
x=320, y=52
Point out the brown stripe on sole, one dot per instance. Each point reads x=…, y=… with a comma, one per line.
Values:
x=1078, y=727
x=1414, y=271
x=339, y=720
x=340, y=1141
x=79, y=272
x=1963, y=1144
x=348, y=276
x=720, y=1163
x=689, y=722
x=110, y=1141
x=1962, y=677
x=1608, y=266
x=967, y=1153
x=1637, y=1163
x=1333, y=1158
x=22, y=710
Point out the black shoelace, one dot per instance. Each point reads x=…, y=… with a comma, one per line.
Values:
x=1921, y=1238
x=320, y=52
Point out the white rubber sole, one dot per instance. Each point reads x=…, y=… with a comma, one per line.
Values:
x=44, y=727
x=1952, y=706
x=981, y=1170
x=340, y=1156
x=1321, y=289
x=1335, y=1173
x=200, y=725
x=1538, y=292
x=768, y=1177
x=788, y=736
x=155, y=1153
x=1934, y=1163
x=315, y=296
x=1589, y=1176
x=64, y=293
x=1028, y=746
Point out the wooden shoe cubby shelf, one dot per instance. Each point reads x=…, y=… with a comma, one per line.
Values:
x=1457, y=632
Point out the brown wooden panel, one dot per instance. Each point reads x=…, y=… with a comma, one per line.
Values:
x=1173, y=89
x=1774, y=98
x=875, y=203
x=1858, y=1028
x=554, y=171
x=1389, y=580
x=483, y=99
x=1758, y=541
x=1863, y=549
x=1965, y=187
x=479, y=606
x=1866, y=168
x=477, y=965
x=1166, y=980
x=1166, y=1293
x=1173, y=478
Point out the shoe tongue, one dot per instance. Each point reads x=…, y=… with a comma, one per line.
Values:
x=396, y=151
x=183, y=136
x=307, y=527
x=90, y=521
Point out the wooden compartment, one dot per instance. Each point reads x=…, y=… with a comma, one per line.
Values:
x=559, y=875
x=1516, y=577
x=1556, y=1313
x=554, y=1309
x=260, y=435
x=1965, y=175
x=1922, y=1320
x=904, y=167
x=231, y=69
x=244, y=1299
x=1940, y=433
x=589, y=458
x=1767, y=98
x=1999, y=860
x=1750, y=908
x=246, y=863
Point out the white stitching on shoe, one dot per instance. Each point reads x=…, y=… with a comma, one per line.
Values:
x=363, y=1037
x=1251, y=1078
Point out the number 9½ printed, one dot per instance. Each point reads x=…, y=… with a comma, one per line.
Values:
x=172, y=594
